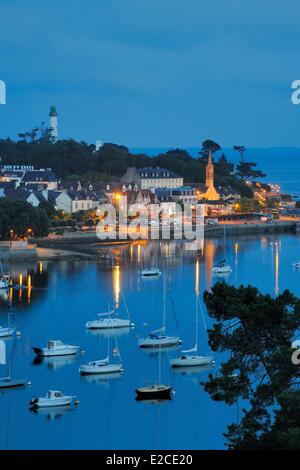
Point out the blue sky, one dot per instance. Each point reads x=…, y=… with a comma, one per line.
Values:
x=153, y=72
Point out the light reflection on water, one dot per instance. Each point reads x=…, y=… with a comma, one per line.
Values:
x=58, y=298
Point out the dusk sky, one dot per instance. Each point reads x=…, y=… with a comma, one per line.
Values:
x=160, y=73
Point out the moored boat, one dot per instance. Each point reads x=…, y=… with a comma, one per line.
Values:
x=56, y=348
x=52, y=398
x=102, y=366
x=155, y=391
x=151, y=272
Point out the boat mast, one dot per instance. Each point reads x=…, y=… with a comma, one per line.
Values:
x=164, y=304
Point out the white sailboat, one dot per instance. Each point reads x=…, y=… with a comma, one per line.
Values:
x=222, y=267
x=107, y=320
x=8, y=382
x=158, y=338
x=190, y=357
x=103, y=366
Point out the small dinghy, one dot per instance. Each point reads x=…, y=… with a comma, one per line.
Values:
x=296, y=264
x=56, y=348
x=155, y=391
x=52, y=398
x=151, y=272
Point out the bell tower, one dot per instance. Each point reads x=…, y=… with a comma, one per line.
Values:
x=209, y=182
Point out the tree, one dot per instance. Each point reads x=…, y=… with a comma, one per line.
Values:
x=246, y=171
x=241, y=149
x=209, y=145
x=247, y=205
x=256, y=331
x=19, y=219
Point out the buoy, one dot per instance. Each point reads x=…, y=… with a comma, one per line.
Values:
x=18, y=333
x=29, y=383
x=76, y=402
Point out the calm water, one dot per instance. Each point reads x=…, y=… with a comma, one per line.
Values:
x=64, y=295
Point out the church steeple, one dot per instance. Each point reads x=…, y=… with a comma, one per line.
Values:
x=209, y=182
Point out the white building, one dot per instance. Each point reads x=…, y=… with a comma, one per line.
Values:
x=73, y=201
x=54, y=123
x=152, y=178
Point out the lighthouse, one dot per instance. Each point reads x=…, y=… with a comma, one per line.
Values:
x=53, y=123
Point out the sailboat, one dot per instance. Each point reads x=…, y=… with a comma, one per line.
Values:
x=151, y=272
x=4, y=279
x=222, y=267
x=158, y=338
x=155, y=391
x=107, y=320
x=190, y=357
x=103, y=366
x=8, y=382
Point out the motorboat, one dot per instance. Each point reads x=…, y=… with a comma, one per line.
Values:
x=296, y=264
x=56, y=348
x=156, y=391
x=52, y=398
x=6, y=332
x=222, y=268
x=151, y=272
x=102, y=366
x=157, y=339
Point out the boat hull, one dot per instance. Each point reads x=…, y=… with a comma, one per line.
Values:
x=66, y=351
x=8, y=383
x=50, y=403
x=163, y=342
x=108, y=324
x=101, y=369
x=191, y=361
x=154, y=393
x=5, y=332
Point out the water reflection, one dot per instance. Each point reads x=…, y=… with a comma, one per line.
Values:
x=56, y=362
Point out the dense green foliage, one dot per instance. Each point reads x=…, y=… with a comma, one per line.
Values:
x=257, y=331
x=20, y=219
x=73, y=160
